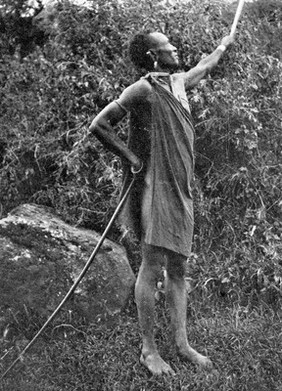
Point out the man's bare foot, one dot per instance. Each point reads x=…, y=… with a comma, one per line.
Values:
x=196, y=358
x=155, y=364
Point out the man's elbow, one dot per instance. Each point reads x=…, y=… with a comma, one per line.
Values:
x=207, y=64
x=93, y=126
x=96, y=125
x=205, y=68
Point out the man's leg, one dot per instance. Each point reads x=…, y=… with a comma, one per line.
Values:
x=177, y=301
x=152, y=260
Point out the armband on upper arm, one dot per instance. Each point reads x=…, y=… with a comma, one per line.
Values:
x=222, y=48
x=117, y=101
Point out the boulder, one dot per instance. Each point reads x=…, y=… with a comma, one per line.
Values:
x=40, y=258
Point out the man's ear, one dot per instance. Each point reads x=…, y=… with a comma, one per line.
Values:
x=152, y=54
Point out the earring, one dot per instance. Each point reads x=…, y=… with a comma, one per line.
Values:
x=155, y=64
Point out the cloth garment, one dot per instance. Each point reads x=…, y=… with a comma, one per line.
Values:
x=163, y=138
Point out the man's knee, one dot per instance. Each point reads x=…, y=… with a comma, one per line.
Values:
x=176, y=265
x=152, y=258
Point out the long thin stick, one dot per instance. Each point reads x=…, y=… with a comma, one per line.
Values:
x=237, y=16
x=79, y=278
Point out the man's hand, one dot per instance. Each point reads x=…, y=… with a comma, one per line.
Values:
x=228, y=40
x=137, y=167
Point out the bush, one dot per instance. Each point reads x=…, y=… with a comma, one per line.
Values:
x=50, y=96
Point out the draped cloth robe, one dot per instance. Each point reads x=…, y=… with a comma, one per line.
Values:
x=162, y=135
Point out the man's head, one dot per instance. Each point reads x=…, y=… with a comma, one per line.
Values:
x=153, y=51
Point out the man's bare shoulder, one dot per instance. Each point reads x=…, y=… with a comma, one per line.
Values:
x=135, y=94
x=140, y=88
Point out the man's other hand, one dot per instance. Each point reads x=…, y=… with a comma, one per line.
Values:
x=228, y=40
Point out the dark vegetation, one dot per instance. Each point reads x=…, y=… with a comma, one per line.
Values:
x=60, y=68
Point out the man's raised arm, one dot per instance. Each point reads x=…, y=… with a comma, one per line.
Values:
x=205, y=66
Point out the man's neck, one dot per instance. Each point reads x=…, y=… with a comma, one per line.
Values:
x=161, y=68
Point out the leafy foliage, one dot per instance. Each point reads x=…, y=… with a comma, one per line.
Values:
x=50, y=96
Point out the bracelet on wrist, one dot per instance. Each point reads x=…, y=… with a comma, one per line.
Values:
x=137, y=170
x=222, y=48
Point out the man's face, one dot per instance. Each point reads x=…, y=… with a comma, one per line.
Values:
x=167, y=56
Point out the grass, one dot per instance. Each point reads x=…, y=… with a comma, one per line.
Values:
x=245, y=344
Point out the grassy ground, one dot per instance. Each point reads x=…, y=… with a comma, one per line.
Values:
x=245, y=344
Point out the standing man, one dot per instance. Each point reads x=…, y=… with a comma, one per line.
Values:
x=159, y=209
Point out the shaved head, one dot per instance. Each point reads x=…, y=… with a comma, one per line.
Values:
x=147, y=47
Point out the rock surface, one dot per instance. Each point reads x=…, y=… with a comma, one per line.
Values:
x=41, y=257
